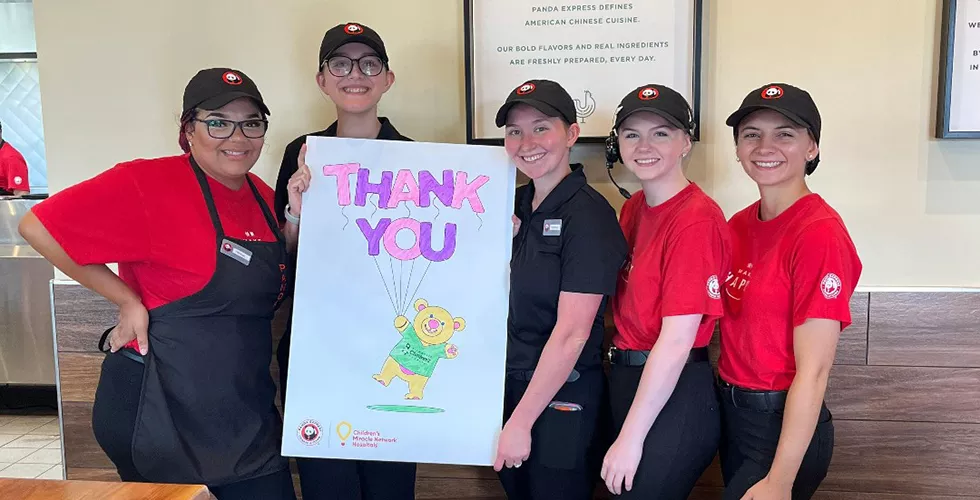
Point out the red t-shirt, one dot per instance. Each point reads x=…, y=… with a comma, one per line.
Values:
x=800, y=265
x=13, y=169
x=150, y=217
x=679, y=251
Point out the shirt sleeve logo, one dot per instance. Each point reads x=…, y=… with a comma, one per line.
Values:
x=18, y=180
x=830, y=286
x=714, y=288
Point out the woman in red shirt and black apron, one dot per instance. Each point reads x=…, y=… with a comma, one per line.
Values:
x=787, y=300
x=661, y=384
x=185, y=395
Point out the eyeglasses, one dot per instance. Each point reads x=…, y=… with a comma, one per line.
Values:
x=342, y=65
x=223, y=129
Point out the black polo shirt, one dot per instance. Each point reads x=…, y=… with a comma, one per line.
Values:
x=581, y=250
x=288, y=166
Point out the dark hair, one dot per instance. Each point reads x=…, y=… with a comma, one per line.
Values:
x=185, y=126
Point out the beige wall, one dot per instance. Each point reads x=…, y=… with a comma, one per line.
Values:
x=112, y=73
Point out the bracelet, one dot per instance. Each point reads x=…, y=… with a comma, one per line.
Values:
x=290, y=218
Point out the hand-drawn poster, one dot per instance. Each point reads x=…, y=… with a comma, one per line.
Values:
x=400, y=308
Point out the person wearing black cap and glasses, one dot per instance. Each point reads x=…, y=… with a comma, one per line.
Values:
x=353, y=71
x=661, y=383
x=185, y=394
x=567, y=253
x=787, y=298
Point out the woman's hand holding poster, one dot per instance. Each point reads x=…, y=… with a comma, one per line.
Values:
x=400, y=308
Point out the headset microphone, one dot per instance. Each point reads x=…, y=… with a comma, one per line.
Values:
x=612, y=156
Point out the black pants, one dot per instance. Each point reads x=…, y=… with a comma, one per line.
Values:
x=114, y=420
x=559, y=465
x=682, y=441
x=749, y=446
x=329, y=479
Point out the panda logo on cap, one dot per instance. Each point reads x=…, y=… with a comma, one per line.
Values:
x=232, y=78
x=525, y=89
x=772, y=92
x=353, y=29
x=648, y=93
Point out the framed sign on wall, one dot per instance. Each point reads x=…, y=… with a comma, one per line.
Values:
x=958, y=109
x=598, y=51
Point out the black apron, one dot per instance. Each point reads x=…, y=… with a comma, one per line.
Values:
x=207, y=410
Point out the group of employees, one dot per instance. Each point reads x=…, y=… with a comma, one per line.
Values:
x=206, y=252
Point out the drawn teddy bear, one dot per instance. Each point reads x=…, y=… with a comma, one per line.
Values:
x=423, y=343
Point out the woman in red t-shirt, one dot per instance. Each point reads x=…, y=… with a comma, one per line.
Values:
x=787, y=300
x=662, y=390
x=185, y=394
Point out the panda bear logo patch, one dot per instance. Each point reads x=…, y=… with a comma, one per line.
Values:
x=648, y=94
x=353, y=29
x=525, y=89
x=309, y=432
x=772, y=92
x=232, y=78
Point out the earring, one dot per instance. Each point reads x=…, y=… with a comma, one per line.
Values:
x=738, y=160
x=809, y=157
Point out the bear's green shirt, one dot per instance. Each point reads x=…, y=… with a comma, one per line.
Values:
x=410, y=353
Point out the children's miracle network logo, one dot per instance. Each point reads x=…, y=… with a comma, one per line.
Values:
x=360, y=438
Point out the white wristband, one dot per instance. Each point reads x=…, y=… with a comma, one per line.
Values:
x=290, y=218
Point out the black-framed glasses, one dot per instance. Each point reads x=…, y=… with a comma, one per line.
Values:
x=219, y=128
x=370, y=65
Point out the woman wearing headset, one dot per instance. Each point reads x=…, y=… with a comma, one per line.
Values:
x=353, y=71
x=185, y=396
x=567, y=253
x=668, y=300
x=788, y=298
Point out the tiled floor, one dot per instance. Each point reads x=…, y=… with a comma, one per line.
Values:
x=30, y=447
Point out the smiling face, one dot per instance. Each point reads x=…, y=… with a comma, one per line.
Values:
x=537, y=143
x=354, y=93
x=773, y=149
x=226, y=160
x=650, y=146
x=434, y=325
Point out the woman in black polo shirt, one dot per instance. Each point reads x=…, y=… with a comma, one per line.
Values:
x=568, y=249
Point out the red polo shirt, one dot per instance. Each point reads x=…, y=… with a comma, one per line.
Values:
x=679, y=253
x=150, y=217
x=13, y=169
x=800, y=265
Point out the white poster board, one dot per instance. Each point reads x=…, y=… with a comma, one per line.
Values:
x=959, y=105
x=400, y=310
x=598, y=51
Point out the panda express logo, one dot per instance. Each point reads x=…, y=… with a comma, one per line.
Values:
x=310, y=432
x=525, y=89
x=772, y=92
x=232, y=78
x=714, y=288
x=353, y=29
x=648, y=94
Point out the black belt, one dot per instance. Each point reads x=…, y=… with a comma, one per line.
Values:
x=628, y=357
x=752, y=400
x=525, y=375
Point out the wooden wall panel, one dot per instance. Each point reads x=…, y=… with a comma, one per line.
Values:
x=905, y=394
x=79, y=375
x=908, y=424
x=906, y=458
x=925, y=329
x=81, y=448
x=80, y=318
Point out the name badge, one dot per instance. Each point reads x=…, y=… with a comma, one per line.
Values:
x=552, y=227
x=236, y=251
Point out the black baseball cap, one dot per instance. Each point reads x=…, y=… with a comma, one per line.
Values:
x=214, y=87
x=546, y=96
x=792, y=102
x=345, y=33
x=658, y=99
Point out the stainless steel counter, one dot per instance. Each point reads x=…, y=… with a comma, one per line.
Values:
x=26, y=335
